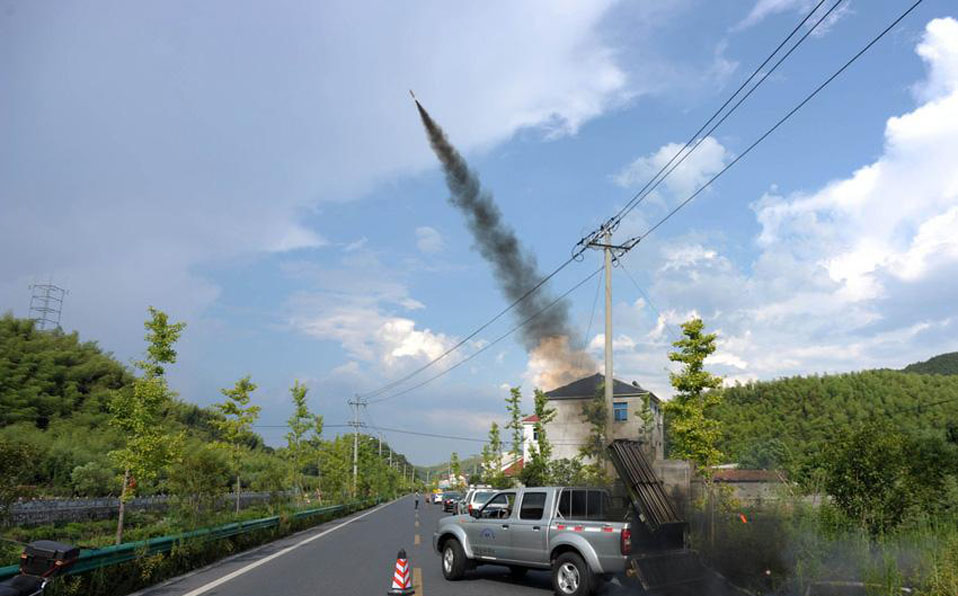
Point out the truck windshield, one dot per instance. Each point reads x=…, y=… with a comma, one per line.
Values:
x=588, y=504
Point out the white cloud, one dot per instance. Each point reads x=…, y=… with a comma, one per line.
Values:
x=428, y=240
x=705, y=162
x=862, y=272
x=183, y=139
x=766, y=8
x=678, y=256
x=358, y=312
x=356, y=244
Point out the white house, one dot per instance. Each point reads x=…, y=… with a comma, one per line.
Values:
x=567, y=431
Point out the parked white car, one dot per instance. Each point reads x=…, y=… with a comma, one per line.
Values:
x=475, y=499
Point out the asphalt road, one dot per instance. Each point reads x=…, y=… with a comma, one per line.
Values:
x=354, y=556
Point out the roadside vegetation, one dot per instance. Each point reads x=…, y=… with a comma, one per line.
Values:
x=75, y=422
x=872, y=464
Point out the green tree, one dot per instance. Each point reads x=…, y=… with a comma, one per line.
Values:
x=336, y=468
x=487, y=462
x=867, y=477
x=16, y=461
x=693, y=433
x=47, y=376
x=138, y=413
x=514, y=407
x=567, y=472
x=297, y=447
x=198, y=479
x=316, y=446
x=493, y=473
x=594, y=412
x=92, y=479
x=537, y=471
x=237, y=424
x=646, y=417
x=455, y=469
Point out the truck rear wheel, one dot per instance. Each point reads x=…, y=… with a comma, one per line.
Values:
x=571, y=576
x=453, y=560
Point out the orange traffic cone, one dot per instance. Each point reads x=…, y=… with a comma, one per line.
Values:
x=402, y=578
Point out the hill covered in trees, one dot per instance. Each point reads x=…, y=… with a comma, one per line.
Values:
x=943, y=364
x=56, y=435
x=788, y=422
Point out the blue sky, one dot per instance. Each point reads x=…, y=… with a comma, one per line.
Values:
x=259, y=171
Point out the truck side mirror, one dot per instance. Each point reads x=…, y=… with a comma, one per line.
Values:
x=475, y=513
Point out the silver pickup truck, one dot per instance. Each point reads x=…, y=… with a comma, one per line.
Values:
x=572, y=531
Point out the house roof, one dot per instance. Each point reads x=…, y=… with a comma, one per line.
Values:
x=532, y=418
x=514, y=468
x=587, y=387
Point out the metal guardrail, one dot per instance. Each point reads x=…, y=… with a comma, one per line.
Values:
x=113, y=555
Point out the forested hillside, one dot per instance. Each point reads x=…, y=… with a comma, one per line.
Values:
x=56, y=435
x=943, y=364
x=788, y=421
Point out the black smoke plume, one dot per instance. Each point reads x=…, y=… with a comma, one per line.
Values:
x=547, y=337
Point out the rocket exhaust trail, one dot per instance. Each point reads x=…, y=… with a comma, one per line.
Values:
x=548, y=336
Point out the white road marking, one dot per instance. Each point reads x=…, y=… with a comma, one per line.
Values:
x=255, y=564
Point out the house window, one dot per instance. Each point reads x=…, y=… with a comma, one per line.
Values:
x=535, y=434
x=621, y=411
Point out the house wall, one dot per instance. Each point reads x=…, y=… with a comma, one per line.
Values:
x=528, y=438
x=567, y=432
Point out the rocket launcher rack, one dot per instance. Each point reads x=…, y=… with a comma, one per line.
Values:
x=646, y=491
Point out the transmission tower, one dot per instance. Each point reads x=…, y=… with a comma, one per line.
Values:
x=46, y=302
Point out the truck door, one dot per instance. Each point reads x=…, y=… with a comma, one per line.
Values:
x=531, y=527
x=489, y=534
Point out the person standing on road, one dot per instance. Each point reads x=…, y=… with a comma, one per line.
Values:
x=417, y=499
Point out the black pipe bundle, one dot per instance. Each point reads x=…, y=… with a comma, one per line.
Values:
x=646, y=490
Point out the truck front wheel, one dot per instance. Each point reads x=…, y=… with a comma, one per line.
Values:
x=453, y=560
x=571, y=576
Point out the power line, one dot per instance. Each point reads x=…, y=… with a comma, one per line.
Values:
x=625, y=211
x=782, y=120
x=494, y=342
x=431, y=435
x=639, y=196
x=287, y=426
x=577, y=253
x=478, y=330
x=595, y=300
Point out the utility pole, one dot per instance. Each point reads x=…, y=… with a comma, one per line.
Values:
x=608, y=334
x=612, y=252
x=380, y=446
x=355, y=403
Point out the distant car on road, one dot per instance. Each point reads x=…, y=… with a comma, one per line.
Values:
x=450, y=500
x=437, y=497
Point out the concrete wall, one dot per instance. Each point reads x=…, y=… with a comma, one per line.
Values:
x=685, y=487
